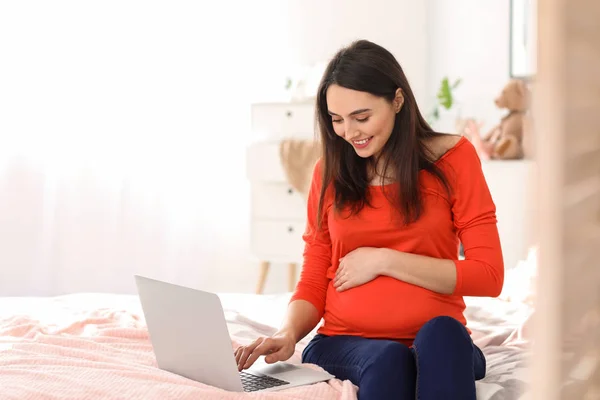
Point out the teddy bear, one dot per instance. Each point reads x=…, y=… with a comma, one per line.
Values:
x=505, y=140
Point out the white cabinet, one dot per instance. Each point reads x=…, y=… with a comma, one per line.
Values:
x=276, y=201
x=278, y=212
x=281, y=120
x=263, y=164
x=278, y=240
x=511, y=184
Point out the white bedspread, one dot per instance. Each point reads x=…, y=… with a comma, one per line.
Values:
x=492, y=321
x=494, y=324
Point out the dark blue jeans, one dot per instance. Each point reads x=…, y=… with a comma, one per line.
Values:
x=443, y=363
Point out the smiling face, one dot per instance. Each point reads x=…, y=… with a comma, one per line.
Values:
x=364, y=120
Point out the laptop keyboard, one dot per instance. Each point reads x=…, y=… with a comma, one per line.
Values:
x=252, y=383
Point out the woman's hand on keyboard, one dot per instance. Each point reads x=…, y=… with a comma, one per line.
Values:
x=279, y=347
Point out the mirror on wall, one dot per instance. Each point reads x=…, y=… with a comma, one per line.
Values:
x=523, y=17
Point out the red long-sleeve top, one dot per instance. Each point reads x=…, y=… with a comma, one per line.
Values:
x=387, y=307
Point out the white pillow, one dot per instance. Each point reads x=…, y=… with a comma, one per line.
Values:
x=519, y=282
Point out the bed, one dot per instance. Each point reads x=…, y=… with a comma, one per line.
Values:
x=92, y=346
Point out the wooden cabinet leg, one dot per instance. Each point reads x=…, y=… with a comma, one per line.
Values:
x=291, y=276
x=262, y=278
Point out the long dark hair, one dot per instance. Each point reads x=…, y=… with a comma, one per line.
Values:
x=367, y=67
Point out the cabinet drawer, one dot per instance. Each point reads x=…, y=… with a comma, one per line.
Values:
x=277, y=239
x=277, y=201
x=278, y=121
x=263, y=163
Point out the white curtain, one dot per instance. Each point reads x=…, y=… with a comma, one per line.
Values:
x=123, y=128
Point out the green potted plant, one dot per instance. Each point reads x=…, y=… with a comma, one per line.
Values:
x=444, y=113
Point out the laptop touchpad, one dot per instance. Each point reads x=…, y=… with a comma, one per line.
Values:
x=278, y=368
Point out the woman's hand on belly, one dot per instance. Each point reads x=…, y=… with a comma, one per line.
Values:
x=358, y=267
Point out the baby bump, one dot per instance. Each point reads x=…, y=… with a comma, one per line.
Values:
x=384, y=306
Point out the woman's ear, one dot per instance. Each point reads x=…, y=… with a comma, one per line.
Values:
x=398, y=100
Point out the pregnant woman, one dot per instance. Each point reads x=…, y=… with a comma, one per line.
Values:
x=389, y=204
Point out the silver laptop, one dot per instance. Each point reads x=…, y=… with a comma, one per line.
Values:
x=190, y=338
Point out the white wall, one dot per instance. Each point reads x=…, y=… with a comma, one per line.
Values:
x=466, y=39
x=124, y=127
x=469, y=39
x=318, y=28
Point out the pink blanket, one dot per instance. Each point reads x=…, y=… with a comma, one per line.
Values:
x=106, y=354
